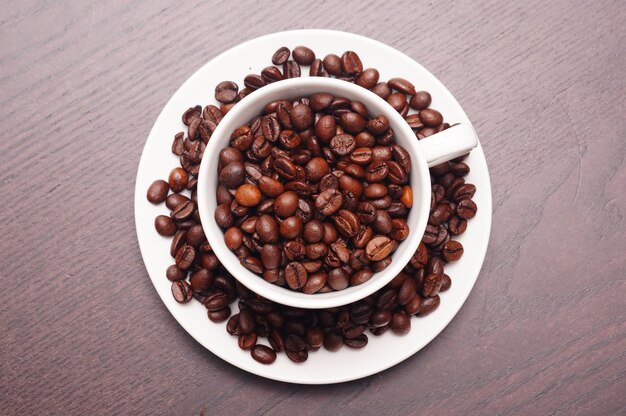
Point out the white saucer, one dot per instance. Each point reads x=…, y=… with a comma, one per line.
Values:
x=322, y=367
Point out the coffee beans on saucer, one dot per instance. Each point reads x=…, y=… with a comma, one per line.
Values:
x=266, y=328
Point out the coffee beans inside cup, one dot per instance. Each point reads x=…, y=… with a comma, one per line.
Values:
x=305, y=191
x=197, y=272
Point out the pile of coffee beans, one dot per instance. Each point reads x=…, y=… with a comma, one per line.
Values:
x=197, y=273
x=313, y=194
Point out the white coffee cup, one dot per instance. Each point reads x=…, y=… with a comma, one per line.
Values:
x=448, y=144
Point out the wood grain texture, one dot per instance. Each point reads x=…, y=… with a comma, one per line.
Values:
x=82, y=329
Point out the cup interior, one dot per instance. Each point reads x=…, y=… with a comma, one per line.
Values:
x=251, y=106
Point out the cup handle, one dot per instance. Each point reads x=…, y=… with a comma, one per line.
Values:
x=448, y=144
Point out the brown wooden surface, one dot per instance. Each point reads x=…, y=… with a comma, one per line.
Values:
x=82, y=330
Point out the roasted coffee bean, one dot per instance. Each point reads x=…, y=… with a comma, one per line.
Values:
x=382, y=90
x=361, y=276
x=362, y=237
x=434, y=265
x=254, y=82
x=342, y=144
x=316, y=169
x=295, y=275
x=429, y=305
x=430, y=117
x=289, y=139
x=242, y=138
x=178, y=179
x=263, y=354
x=376, y=171
x=271, y=74
x=195, y=235
x=397, y=210
x=466, y=209
x=362, y=156
x=407, y=196
x=303, y=55
x=301, y=117
x=399, y=229
x=316, y=250
x=382, y=223
x=398, y=101
x=248, y=195
x=267, y=228
x=378, y=125
x=183, y=211
x=233, y=175
x=365, y=139
x=465, y=191
x=291, y=227
x=294, y=342
x=368, y=78
x=332, y=64
x=191, y=113
x=233, y=237
x=333, y=341
x=400, y=323
x=347, y=223
x=286, y=204
x=356, y=342
x=181, y=290
x=431, y=285
x=446, y=283
x=247, y=322
x=407, y=291
x=457, y=225
x=326, y=128
x=226, y=92
x=219, y=315
x=314, y=337
x=452, y=251
x=173, y=273
x=165, y=226
x=380, y=319
x=317, y=69
x=329, y=201
x=216, y=301
x=312, y=266
x=232, y=326
x=298, y=356
x=313, y=231
x=185, y=257
x=291, y=69
x=246, y=342
x=157, y=192
x=350, y=63
x=441, y=213
x=275, y=339
x=201, y=280
x=305, y=210
x=285, y=168
x=281, y=55
x=270, y=186
x=402, y=85
x=459, y=169
x=315, y=282
x=420, y=100
x=397, y=174
x=378, y=248
x=366, y=213
x=177, y=145
x=351, y=122
x=338, y=279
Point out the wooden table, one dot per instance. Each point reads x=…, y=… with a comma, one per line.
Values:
x=83, y=330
